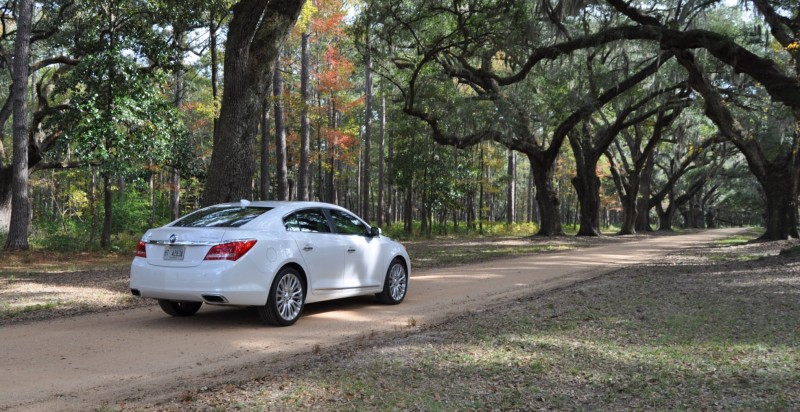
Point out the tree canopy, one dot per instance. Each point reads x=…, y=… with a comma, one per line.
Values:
x=629, y=114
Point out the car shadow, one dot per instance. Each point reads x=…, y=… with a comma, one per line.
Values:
x=213, y=316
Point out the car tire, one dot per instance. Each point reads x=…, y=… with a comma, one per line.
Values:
x=286, y=299
x=179, y=308
x=395, y=285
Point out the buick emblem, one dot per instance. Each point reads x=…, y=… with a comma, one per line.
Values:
x=172, y=238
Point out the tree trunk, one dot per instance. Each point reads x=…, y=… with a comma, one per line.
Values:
x=511, y=191
x=20, y=203
x=391, y=212
x=93, y=203
x=256, y=32
x=151, y=187
x=175, y=175
x=381, y=160
x=531, y=198
x=780, y=192
x=212, y=45
x=587, y=186
x=305, y=129
x=281, y=170
x=665, y=217
x=5, y=198
x=546, y=198
x=330, y=176
x=628, y=226
x=408, y=209
x=365, y=180
x=643, y=203
x=105, y=237
x=264, y=182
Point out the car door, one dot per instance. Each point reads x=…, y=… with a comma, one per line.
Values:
x=362, y=254
x=320, y=249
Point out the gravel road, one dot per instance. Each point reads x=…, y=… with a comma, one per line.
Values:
x=140, y=356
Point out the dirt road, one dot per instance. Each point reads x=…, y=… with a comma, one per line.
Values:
x=141, y=356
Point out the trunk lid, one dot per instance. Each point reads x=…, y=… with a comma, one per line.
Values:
x=180, y=246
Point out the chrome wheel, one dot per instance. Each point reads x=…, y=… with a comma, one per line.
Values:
x=398, y=281
x=289, y=297
x=395, y=285
x=286, y=299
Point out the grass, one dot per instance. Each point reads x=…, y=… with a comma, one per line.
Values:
x=740, y=239
x=426, y=255
x=686, y=333
x=36, y=284
x=43, y=261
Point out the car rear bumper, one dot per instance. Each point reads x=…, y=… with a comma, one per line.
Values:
x=214, y=283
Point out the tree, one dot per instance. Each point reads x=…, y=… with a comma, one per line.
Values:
x=590, y=142
x=367, y=138
x=777, y=75
x=47, y=27
x=682, y=165
x=118, y=116
x=511, y=189
x=255, y=35
x=20, y=204
x=492, y=93
x=381, y=210
x=186, y=18
x=305, y=127
x=264, y=182
x=627, y=173
x=281, y=170
x=339, y=111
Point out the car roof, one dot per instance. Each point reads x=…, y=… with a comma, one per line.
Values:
x=283, y=205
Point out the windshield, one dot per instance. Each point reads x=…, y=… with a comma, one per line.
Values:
x=221, y=216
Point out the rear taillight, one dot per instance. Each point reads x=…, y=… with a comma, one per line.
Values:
x=231, y=250
x=141, y=250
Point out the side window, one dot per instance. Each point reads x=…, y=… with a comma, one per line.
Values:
x=347, y=224
x=309, y=220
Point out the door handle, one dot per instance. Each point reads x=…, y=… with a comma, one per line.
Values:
x=308, y=248
x=351, y=249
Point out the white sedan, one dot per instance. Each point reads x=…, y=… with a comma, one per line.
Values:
x=276, y=256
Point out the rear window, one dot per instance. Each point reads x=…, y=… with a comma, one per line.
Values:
x=221, y=216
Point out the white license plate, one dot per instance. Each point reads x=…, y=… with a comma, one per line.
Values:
x=174, y=252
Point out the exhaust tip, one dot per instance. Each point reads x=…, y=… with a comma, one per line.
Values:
x=215, y=299
x=136, y=292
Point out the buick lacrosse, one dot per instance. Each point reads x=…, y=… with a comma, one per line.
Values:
x=276, y=256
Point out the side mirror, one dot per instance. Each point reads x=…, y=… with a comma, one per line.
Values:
x=374, y=232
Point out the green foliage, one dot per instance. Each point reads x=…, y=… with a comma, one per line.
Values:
x=77, y=229
x=131, y=213
x=118, y=117
x=113, y=107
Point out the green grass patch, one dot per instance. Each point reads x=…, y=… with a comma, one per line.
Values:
x=10, y=311
x=740, y=239
x=426, y=255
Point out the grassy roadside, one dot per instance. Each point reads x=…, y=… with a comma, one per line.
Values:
x=39, y=284
x=699, y=329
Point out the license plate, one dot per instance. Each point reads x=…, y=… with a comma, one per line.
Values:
x=174, y=252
